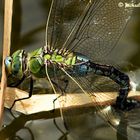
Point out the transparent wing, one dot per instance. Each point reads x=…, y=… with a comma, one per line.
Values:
x=64, y=14
x=83, y=103
x=91, y=27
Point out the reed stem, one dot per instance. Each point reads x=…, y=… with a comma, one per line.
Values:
x=8, y=8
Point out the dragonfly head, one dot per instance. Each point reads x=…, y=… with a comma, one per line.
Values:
x=15, y=65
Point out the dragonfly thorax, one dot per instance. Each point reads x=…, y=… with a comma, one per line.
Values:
x=38, y=59
x=65, y=60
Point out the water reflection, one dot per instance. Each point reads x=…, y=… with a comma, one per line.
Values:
x=35, y=126
x=90, y=126
x=86, y=125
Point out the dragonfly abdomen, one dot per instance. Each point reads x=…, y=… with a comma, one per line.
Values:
x=86, y=66
x=116, y=75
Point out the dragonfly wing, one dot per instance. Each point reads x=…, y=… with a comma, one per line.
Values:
x=85, y=100
x=101, y=29
x=63, y=16
x=91, y=27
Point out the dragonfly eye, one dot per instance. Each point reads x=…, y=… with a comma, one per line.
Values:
x=8, y=64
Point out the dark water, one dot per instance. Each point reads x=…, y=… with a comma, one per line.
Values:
x=29, y=33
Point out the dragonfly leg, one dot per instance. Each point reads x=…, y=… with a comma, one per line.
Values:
x=62, y=91
x=30, y=94
x=120, y=78
x=54, y=120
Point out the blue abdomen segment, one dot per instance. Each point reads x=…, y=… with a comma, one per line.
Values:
x=81, y=68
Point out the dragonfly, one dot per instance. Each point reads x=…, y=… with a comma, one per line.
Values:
x=79, y=34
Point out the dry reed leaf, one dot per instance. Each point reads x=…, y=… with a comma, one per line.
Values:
x=44, y=102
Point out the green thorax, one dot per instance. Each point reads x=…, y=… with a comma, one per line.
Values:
x=37, y=60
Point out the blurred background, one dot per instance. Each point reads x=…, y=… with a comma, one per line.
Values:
x=28, y=32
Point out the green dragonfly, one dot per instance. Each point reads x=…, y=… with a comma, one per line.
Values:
x=79, y=34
